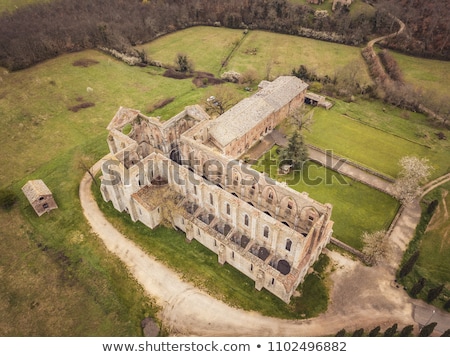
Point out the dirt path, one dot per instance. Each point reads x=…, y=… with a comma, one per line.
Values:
x=360, y=296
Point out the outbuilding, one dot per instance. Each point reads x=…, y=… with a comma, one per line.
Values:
x=39, y=196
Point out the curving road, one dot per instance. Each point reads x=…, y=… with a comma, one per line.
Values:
x=360, y=296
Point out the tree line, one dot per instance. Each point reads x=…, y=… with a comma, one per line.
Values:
x=44, y=30
x=427, y=31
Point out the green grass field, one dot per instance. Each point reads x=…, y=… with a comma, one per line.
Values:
x=209, y=46
x=424, y=73
x=11, y=5
x=380, y=136
x=357, y=208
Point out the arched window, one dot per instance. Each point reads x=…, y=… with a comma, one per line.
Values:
x=290, y=204
x=288, y=245
x=228, y=209
x=270, y=196
x=266, y=232
x=246, y=220
x=195, y=190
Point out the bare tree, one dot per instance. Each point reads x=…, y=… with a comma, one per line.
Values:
x=376, y=247
x=414, y=172
x=302, y=118
x=220, y=99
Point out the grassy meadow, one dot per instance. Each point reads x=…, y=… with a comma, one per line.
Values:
x=11, y=5
x=267, y=54
x=428, y=74
x=57, y=279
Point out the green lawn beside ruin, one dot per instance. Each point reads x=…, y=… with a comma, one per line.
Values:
x=357, y=208
x=198, y=265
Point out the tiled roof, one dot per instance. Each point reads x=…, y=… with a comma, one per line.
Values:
x=248, y=113
x=34, y=189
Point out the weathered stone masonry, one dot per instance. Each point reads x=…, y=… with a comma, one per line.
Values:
x=266, y=230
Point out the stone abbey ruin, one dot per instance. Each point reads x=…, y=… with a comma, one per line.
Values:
x=186, y=173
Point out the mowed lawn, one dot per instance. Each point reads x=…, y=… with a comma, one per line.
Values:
x=357, y=208
x=377, y=136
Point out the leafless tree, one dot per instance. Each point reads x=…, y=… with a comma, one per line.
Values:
x=414, y=172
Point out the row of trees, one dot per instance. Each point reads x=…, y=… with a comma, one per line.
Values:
x=392, y=331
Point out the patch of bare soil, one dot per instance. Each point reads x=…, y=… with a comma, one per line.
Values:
x=78, y=107
x=85, y=62
x=440, y=216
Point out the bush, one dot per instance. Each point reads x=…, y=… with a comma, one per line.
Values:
x=407, y=267
x=447, y=305
x=407, y=331
x=7, y=199
x=434, y=293
x=427, y=330
x=375, y=331
x=391, y=331
x=417, y=288
x=358, y=333
x=341, y=333
x=446, y=333
x=80, y=106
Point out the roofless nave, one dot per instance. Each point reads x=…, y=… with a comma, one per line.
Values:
x=186, y=171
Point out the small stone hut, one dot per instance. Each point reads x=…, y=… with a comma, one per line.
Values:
x=39, y=196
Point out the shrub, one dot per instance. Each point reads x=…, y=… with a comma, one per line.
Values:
x=375, y=331
x=7, y=199
x=358, y=333
x=427, y=330
x=406, y=331
x=341, y=333
x=446, y=333
x=80, y=106
x=391, y=331
x=434, y=293
x=407, y=267
x=447, y=305
x=417, y=288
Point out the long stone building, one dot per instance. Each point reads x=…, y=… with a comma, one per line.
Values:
x=186, y=172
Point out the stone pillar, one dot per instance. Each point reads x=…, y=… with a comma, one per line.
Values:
x=189, y=231
x=259, y=283
x=222, y=256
